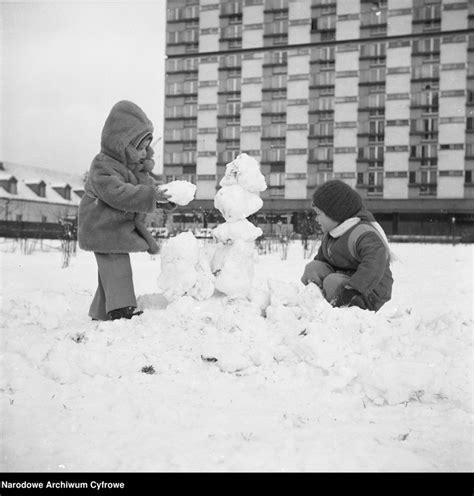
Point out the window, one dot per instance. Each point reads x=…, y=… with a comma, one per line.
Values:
x=322, y=177
x=373, y=75
x=374, y=18
x=231, y=61
x=276, y=81
x=428, y=13
x=232, y=85
x=321, y=129
x=373, y=50
x=232, y=108
x=231, y=32
x=44, y=218
x=322, y=104
x=321, y=153
x=229, y=133
x=427, y=45
x=468, y=177
x=274, y=155
x=190, y=111
x=13, y=189
x=323, y=79
x=276, y=179
x=274, y=131
x=323, y=23
x=426, y=71
x=427, y=127
x=277, y=58
x=276, y=28
x=376, y=130
x=274, y=107
x=376, y=100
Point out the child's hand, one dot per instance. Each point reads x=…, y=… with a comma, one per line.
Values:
x=161, y=194
x=167, y=206
x=310, y=274
x=349, y=297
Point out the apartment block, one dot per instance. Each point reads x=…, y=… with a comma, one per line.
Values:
x=379, y=94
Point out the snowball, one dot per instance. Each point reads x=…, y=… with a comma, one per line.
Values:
x=182, y=192
x=239, y=229
x=245, y=171
x=236, y=203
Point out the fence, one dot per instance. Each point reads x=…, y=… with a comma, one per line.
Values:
x=33, y=230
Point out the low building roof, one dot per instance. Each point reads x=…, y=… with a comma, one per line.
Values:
x=26, y=174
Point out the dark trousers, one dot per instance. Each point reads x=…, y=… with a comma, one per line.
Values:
x=115, y=289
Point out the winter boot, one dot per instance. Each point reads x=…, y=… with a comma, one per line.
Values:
x=124, y=313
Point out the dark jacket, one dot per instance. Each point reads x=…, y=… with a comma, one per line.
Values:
x=118, y=194
x=369, y=268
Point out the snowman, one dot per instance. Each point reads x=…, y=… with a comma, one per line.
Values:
x=234, y=258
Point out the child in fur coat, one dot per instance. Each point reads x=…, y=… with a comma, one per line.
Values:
x=119, y=192
x=352, y=266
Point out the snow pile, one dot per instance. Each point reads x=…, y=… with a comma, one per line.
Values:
x=182, y=192
x=233, y=263
x=185, y=269
x=384, y=357
x=328, y=389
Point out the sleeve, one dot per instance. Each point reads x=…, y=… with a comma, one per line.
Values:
x=112, y=189
x=320, y=255
x=373, y=260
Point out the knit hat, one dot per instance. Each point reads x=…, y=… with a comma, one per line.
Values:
x=141, y=138
x=337, y=200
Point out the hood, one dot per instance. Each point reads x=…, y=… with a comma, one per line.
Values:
x=125, y=123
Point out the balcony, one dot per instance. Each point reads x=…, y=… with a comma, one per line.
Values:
x=273, y=6
x=231, y=9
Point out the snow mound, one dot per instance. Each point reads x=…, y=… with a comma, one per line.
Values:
x=185, y=269
x=182, y=192
x=233, y=266
x=236, y=203
x=239, y=229
x=245, y=171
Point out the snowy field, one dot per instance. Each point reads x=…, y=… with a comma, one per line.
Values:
x=219, y=385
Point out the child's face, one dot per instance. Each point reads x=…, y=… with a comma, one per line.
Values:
x=142, y=149
x=326, y=223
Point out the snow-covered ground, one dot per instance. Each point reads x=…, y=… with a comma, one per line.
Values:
x=214, y=385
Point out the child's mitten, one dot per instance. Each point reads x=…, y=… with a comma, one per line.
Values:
x=311, y=274
x=349, y=297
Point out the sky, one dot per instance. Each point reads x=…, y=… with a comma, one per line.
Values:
x=64, y=64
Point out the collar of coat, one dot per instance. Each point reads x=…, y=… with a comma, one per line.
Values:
x=343, y=227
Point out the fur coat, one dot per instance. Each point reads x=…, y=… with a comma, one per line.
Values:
x=118, y=192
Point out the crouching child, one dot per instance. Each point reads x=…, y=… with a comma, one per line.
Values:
x=352, y=266
x=119, y=192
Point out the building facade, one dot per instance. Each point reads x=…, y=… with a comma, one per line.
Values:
x=34, y=194
x=379, y=94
